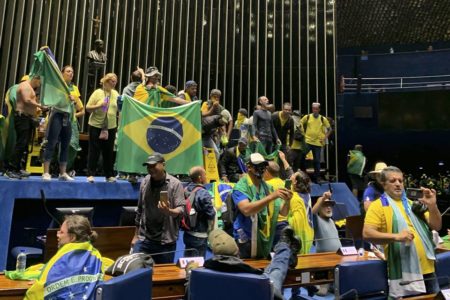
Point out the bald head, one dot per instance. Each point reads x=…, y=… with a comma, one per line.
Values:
x=198, y=174
x=274, y=169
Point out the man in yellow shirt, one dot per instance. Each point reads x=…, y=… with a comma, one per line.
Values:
x=317, y=129
x=392, y=220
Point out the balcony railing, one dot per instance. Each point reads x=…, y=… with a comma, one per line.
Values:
x=383, y=84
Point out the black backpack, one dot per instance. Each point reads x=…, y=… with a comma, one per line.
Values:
x=129, y=262
x=190, y=214
x=229, y=216
x=298, y=135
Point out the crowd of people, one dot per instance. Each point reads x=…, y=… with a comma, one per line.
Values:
x=270, y=199
x=289, y=131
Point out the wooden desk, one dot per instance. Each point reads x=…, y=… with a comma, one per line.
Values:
x=169, y=280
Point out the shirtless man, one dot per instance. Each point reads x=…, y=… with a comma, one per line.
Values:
x=26, y=109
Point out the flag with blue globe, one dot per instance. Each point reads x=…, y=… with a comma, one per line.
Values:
x=174, y=132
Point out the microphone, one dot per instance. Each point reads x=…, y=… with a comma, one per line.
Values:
x=445, y=211
x=349, y=292
x=406, y=282
x=175, y=251
x=44, y=201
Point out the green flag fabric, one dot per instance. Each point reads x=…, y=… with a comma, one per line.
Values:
x=54, y=90
x=7, y=131
x=174, y=132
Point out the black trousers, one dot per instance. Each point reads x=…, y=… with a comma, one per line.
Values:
x=105, y=147
x=23, y=125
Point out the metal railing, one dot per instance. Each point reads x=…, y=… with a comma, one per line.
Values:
x=380, y=84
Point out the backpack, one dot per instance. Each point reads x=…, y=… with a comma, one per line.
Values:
x=190, y=214
x=306, y=123
x=298, y=135
x=229, y=213
x=129, y=262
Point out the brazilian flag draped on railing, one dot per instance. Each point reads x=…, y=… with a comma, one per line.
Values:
x=174, y=132
x=72, y=273
x=7, y=132
x=54, y=91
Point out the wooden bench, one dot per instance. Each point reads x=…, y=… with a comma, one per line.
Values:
x=112, y=242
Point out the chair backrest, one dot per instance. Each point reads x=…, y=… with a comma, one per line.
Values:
x=210, y=284
x=112, y=242
x=128, y=216
x=443, y=269
x=135, y=285
x=354, y=227
x=367, y=279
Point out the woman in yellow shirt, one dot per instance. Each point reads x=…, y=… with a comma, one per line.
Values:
x=102, y=106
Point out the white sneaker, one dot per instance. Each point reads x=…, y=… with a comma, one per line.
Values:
x=90, y=179
x=46, y=177
x=65, y=177
x=111, y=179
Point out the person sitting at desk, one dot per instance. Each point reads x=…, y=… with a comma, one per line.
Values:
x=326, y=235
x=74, y=271
x=226, y=259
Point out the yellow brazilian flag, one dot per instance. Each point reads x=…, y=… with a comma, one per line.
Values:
x=174, y=132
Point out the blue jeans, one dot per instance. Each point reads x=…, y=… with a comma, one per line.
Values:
x=59, y=129
x=150, y=247
x=268, y=144
x=192, y=242
x=278, y=267
x=316, y=158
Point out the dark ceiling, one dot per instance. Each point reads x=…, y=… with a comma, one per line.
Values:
x=362, y=23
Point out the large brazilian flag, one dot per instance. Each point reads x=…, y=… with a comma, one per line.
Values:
x=54, y=90
x=174, y=132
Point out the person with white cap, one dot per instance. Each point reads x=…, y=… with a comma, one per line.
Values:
x=258, y=206
x=153, y=94
x=374, y=188
x=317, y=129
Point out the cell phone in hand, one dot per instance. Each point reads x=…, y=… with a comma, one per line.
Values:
x=163, y=197
x=414, y=194
x=287, y=184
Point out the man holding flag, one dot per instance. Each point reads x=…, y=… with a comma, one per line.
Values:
x=25, y=110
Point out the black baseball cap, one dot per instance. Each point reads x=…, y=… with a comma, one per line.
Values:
x=154, y=159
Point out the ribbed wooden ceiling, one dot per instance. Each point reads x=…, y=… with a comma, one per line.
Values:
x=363, y=23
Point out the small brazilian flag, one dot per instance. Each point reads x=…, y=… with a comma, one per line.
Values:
x=54, y=90
x=174, y=132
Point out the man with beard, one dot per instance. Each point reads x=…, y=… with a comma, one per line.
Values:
x=258, y=206
x=263, y=125
x=325, y=231
x=403, y=227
